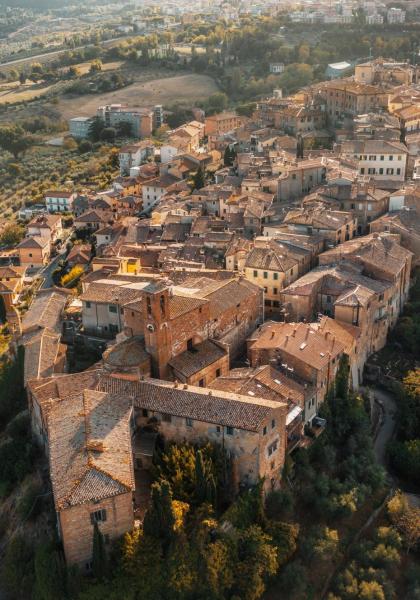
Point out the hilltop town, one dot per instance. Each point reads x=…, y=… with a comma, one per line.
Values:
x=233, y=274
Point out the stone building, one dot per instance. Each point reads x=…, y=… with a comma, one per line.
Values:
x=312, y=355
x=333, y=225
x=272, y=267
x=406, y=224
x=251, y=429
x=91, y=466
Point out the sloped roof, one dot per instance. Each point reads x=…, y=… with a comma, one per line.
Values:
x=201, y=356
x=199, y=404
x=90, y=448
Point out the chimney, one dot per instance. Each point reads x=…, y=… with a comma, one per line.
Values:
x=287, y=339
x=185, y=386
x=294, y=332
x=273, y=333
x=210, y=393
x=176, y=383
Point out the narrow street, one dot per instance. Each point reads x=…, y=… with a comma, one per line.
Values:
x=388, y=423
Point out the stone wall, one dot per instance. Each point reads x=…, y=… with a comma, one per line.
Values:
x=77, y=530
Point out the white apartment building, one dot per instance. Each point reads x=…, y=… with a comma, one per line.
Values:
x=134, y=155
x=395, y=15
x=59, y=201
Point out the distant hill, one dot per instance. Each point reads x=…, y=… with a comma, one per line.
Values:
x=41, y=5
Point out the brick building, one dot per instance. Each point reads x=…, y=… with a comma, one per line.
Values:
x=92, y=475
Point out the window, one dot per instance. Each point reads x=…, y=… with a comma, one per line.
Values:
x=272, y=448
x=201, y=383
x=328, y=299
x=190, y=345
x=99, y=516
x=145, y=412
x=265, y=275
x=274, y=291
x=398, y=171
x=362, y=171
x=166, y=418
x=391, y=157
x=399, y=157
x=218, y=428
x=112, y=308
x=265, y=431
x=218, y=372
x=273, y=423
x=255, y=273
x=88, y=304
x=390, y=171
x=188, y=422
x=275, y=276
x=381, y=171
x=382, y=157
x=229, y=430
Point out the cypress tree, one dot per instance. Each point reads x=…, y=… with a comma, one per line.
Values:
x=99, y=560
x=205, y=486
x=199, y=179
x=49, y=573
x=229, y=156
x=342, y=378
x=159, y=520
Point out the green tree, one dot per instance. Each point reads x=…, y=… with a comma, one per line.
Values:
x=49, y=573
x=125, y=129
x=108, y=134
x=342, y=378
x=15, y=140
x=96, y=127
x=99, y=558
x=257, y=562
x=205, y=487
x=159, y=520
x=12, y=234
x=199, y=179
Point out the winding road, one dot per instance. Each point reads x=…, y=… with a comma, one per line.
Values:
x=385, y=433
x=388, y=423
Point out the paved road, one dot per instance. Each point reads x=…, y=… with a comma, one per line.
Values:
x=385, y=434
x=47, y=272
x=38, y=57
x=387, y=428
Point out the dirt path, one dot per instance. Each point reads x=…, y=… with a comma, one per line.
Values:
x=167, y=90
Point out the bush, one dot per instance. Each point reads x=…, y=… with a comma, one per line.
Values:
x=72, y=276
x=279, y=504
x=85, y=146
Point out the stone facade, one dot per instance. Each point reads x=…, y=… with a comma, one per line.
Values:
x=76, y=527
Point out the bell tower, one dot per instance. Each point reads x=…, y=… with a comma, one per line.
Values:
x=156, y=297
